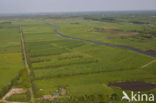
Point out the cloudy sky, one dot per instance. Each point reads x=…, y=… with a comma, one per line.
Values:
x=26, y=6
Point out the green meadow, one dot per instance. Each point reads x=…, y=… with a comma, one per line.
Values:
x=83, y=69
x=11, y=62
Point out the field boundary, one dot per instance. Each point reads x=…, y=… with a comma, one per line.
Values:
x=80, y=74
x=151, y=62
x=26, y=64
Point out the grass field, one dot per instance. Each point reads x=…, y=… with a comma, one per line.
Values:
x=83, y=70
x=10, y=56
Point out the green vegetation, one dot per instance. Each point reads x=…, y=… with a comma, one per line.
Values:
x=19, y=97
x=10, y=56
x=84, y=70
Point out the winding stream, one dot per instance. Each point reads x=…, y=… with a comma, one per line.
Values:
x=107, y=44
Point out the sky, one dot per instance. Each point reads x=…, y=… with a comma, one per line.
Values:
x=35, y=6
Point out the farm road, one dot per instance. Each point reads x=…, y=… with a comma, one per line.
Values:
x=26, y=64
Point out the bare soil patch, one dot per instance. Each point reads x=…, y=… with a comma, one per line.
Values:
x=151, y=51
x=134, y=86
x=13, y=91
x=49, y=97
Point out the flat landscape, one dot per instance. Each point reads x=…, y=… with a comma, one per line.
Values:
x=82, y=58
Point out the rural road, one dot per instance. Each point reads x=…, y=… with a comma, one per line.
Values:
x=26, y=65
x=107, y=44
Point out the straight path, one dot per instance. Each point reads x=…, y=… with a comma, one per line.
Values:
x=107, y=44
x=28, y=73
x=26, y=64
x=153, y=61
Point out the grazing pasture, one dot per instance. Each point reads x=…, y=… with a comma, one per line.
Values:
x=10, y=56
x=77, y=71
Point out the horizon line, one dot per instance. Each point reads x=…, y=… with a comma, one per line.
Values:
x=78, y=11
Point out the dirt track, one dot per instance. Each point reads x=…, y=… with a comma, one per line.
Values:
x=107, y=44
x=153, y=61
x=26, y=64
x=13, y=91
